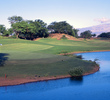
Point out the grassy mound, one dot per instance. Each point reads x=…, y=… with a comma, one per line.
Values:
x=59, y=36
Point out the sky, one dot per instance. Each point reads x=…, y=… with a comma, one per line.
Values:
x=78, y=13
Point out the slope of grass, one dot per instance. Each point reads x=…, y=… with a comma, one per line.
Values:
x=28, y=58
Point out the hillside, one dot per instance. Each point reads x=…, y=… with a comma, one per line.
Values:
x=97, y=29
x=59, y=36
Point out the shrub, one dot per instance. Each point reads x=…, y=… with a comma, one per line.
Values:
x=95, y=63
x=64, y=37
x=76, y=72
x=79, y=56
x=14, y=36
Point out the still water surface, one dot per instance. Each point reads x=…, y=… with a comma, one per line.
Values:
x=92, y=87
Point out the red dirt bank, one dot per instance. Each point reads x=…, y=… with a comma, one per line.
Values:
x=84, y=52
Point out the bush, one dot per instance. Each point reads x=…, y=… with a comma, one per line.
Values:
x=64, y=37
x=76, y=72
x=14, y=36
x=95, y=63
x=79, y=56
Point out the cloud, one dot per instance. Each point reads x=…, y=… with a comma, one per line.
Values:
x=103, y=20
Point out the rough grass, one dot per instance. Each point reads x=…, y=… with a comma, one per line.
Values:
x=42, y=67
x=30, y=58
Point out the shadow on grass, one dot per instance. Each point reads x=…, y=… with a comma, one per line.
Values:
x=3, y=59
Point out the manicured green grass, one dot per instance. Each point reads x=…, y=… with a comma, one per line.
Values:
x=30, y=58
x=72, y=46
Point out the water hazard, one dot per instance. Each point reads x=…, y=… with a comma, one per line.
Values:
x=92, y=87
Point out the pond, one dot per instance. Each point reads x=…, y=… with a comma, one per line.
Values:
x=91, y=87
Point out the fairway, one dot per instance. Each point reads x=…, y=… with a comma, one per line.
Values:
x=29, y=58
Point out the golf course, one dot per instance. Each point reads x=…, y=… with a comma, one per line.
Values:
x=46, y=57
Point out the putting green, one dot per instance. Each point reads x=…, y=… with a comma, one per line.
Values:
x=24, y=47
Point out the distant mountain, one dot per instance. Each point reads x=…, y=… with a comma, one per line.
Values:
x=96, y=29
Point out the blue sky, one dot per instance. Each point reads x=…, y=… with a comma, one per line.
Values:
x=78, y=13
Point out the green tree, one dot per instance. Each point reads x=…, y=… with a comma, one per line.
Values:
x=93, y=35
x=104, y=35
x=30, y=29
x=9, y=32
x=23, y=28
x=76, y=72
x=61, y=27
x=40, y=28
x=86, y=34
x=2, y=29
x=15, y=19
x=41, y=23
x=76, y=32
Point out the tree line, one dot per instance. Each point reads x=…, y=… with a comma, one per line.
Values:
x=29, y=29
x=104, y=35
x=87, y=34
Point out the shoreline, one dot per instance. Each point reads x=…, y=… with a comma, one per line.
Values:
x=19, y=81
x=84, y=52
